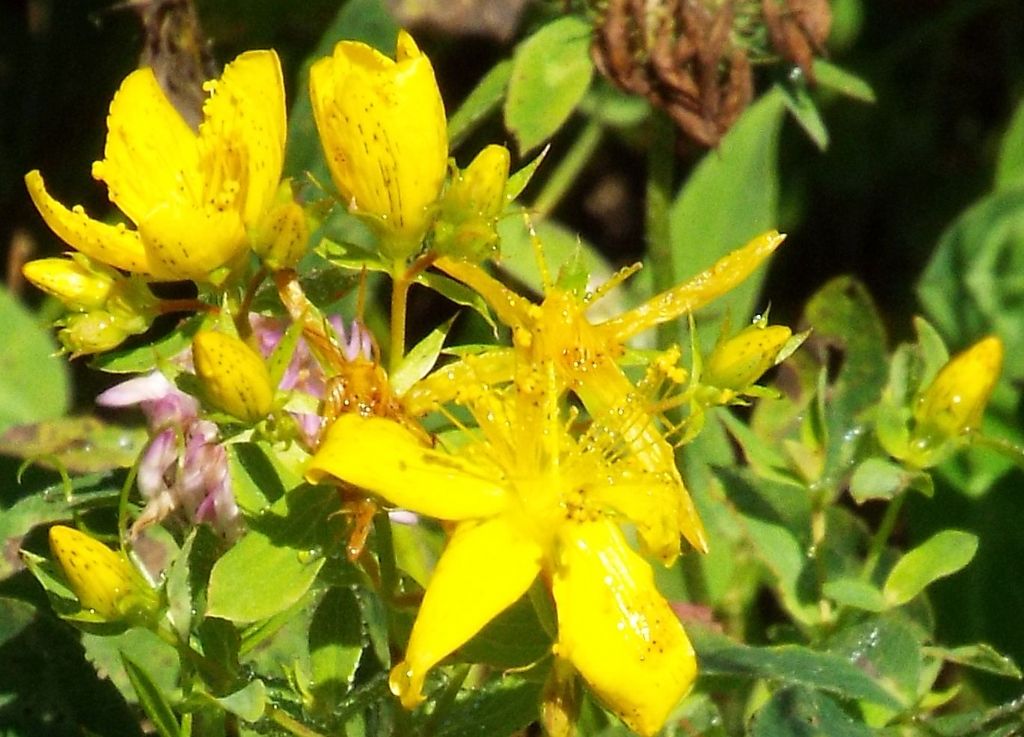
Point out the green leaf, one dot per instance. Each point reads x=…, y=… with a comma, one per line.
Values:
x=188, y=575
x=889, y=650
x=518, y=179
x=152, y=700
x=457, y=293
x=248, y=703
x=801, y=712
x=788, y=664
x=843, y=315
x=551, y=72
x=418, y=362
x=15, y=616
x=148, y=652
x=731, y=197
x=481, y=102
x=513, y=639
x=877, y=478
x=941, y=555
x=34, y=383
x=502, y=707
x=804, y=110
x=148, y=356
x=275, y=563
x=980, y=657
x=258, y=479
x=972, y=285
x=335, y=645
x=853, y=592
x=1010, y=165
x=842, y=81
x=78, y=445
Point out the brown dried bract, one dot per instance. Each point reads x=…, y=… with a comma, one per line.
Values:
x=798, y=29
x=678, y=54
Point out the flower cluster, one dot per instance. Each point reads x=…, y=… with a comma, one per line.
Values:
x=563, y=452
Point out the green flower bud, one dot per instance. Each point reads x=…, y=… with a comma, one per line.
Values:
x=91, y=332
x=234, y=377
x=465, y=228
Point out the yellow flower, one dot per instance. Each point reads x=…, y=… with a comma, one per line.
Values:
x=104, y=581
x=529, y=498
x=235, y=378
x=192, y=196
x=952, y=405
x=383, y=129
x=584, y=356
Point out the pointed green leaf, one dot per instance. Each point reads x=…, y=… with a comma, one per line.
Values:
x=418, y=362
x=853, y=592
x=551, y=72
x=941, y=555
x=481, y=102
x=842, y=81
x=335, y=645
x=152, y=700
x=1010, y=165
x=801, y=712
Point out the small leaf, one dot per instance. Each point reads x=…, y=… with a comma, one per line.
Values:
x=457, y=293
x=877, y=478
x=418, y=362
x=789, y=664
x=941, y=555
x=249, y=703
x=842, y=81
x=33, y=381
x=551, y=72
x=801, y=712
x=804, y=110
x=78, y=445
x=980, y=657
x=275, y=563
x=518, y=180
x=481, y=102
x=501, y=708
x=152, y=700
x=1010, y=165
x=513, y=639
x=853, y=592
x=335, y=645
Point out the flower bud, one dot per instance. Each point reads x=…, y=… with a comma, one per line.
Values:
x=465, y=228
x=105, y=581
x=479, y=189
x=96, y=331
x=282, y=236
x=80, y=284
x=233, y=375
x=737, y=362
x=953, y=404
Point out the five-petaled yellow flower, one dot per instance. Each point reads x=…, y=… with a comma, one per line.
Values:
x=584, y=356
x=382, y=125
x=191, y=195
x=529, y=497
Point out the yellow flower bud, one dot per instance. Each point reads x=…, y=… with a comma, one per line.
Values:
x=383, y=129
x=953, y=404
x=76, y=282
x=233, y=375
x=739, y=361
x=282, y=237
x=104, y=581
x=479, y=189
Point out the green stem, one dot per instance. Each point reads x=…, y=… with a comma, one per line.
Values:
x=399, y=304
x=567, y=172
x=286, y=721
x=660, y=183
x=881, y=536
x=447, y=697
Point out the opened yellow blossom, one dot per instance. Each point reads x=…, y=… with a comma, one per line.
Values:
x=585, y=360
x=382, y=125
x=529, y=497
x=192, y=196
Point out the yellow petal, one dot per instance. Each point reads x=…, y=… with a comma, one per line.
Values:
x=387, y=459
x=726, y=274
x=954, y=402
x=484, y=569
x=186, y=242
x=510, y=308
x=382, y=125
x=150, y=155
x=242, y=136
x=616, y=628
x=114, y=245
x=460, y=381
